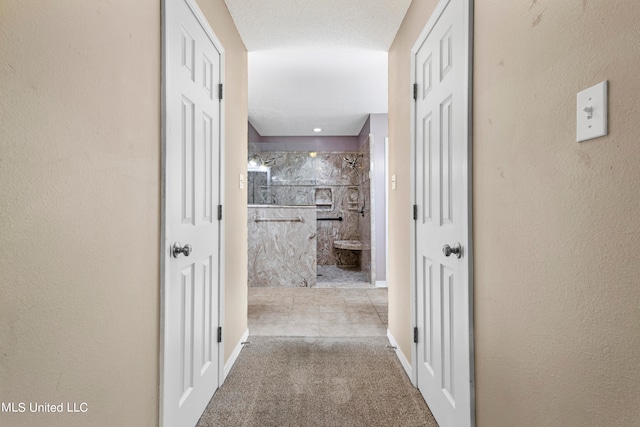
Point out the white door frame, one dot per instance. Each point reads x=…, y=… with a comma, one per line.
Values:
x=468, y=6
x=163, y=200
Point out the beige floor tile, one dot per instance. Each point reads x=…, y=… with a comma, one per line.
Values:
x=302, y=330
x=332, y=318
x=325, y=292
x=361, y=308
x=333, y=308
x=277, y=308
x=357, y=299
x=255, y=307
x=253, y=316
x=337, y=330
x=255, y=292
x=271, y=329
x=297, y=318
x=381, y=308
x=352, y=291
x=280, y=300
x=305, y=300
x=270, y=317
x=368, y=330
x=305, y=309
x=317, y=312
x=259, y=299
x=377, y=296
x=357, y=317
x=283, y=291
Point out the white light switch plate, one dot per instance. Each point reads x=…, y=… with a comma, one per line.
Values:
x=592, y=112
x=393, y=182
x=241, y=181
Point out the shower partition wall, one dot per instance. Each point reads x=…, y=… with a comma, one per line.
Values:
x=282, y=247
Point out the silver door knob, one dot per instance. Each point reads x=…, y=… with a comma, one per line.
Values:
x=456, y=250
x=177, y=249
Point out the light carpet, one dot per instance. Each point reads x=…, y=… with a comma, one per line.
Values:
x=285, y=381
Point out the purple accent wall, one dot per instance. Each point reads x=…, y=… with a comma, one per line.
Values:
x=254, y=136
x=364, y=132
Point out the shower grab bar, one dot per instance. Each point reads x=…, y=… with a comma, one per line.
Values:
x=290, y=219
x=330, y=219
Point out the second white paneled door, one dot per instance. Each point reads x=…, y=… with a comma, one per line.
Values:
x=442, y=230
x=191, y=288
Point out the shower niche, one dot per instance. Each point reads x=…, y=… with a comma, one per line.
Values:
x=352, y=198
x=323, y=197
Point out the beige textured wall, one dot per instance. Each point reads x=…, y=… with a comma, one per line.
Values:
x=400, y=95
x=557, y=275
x=79, y=209
x=235, y=163
x=556, y=222
x=80, y=212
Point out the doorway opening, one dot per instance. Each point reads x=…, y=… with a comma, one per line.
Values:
x=313, y=97
x=311, y=235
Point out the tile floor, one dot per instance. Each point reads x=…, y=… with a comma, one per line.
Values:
x=318, y=312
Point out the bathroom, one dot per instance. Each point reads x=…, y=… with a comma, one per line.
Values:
x=316, y=209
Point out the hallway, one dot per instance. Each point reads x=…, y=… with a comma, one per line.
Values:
x=556, y=235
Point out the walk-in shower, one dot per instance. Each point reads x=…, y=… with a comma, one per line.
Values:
x=308, y=216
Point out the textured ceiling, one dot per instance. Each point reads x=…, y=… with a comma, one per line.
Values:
x=316, y=63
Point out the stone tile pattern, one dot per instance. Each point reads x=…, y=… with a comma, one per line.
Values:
x=331, y=276
x=318, y=312
x=297, y=179
x=281, y=253
x=365, y=224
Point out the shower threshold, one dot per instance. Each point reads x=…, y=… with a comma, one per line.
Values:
x=332, y=276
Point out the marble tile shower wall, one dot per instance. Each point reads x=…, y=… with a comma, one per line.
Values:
x=281, y=246
x=365, y=223
x=326, y=181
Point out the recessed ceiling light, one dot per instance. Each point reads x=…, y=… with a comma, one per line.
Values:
x=317, y=130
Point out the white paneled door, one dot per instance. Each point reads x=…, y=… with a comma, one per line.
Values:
x=442, y=150
x=191, y=244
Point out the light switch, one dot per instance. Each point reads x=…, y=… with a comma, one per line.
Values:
x=241, y=181
x=393, y=182
x=591, y=120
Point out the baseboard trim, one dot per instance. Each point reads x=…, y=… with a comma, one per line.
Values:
x=403, y=360
x=382, y=284
x=235, y=354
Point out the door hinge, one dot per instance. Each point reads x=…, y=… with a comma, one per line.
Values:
x=219, y=212
x=415, y=91
x=219, y=333
x=220, y=91
x=415, y=212
x=415, y=334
